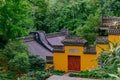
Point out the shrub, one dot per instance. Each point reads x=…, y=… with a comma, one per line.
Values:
x=36, y=63
x=15, y=58
x=38, y=75
x=74, y=75
x=57, y=72
x=89, y=74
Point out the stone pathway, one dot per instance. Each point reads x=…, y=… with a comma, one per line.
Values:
x=66, y=77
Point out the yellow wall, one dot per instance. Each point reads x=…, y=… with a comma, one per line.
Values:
x=88, y=61
x=60, y=61
x=101, y=47
x=111, y=38
x=114, y=38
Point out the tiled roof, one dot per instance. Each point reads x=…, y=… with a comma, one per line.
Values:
x=108, y=22
x=102, y=40
x=56, y=40
x=74, y=40
x=37, y=49
x=89, y=50
x=42, y=44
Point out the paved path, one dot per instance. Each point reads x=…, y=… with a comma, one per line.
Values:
x=66, y=77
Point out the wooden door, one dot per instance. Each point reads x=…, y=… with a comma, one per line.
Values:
x=74, y=63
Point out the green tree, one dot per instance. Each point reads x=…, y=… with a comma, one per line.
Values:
x=81, y=17
x=19, y=64
x=13, y=48
x=39, y=8
x=111, y=8
x=91, y=29
x=15, y=19
x=14, y=58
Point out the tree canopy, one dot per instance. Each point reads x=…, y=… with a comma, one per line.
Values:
x=81, y=17
x=15, y=19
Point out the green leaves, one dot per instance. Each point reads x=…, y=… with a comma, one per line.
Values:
x=20, y=63
x=36, y=63
x=14, y=17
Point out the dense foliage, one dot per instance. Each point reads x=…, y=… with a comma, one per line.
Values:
x=16, y=60
x=15, y=19
x=57, y=72
x=81, y=17
x=36, y=63
x=38, y=75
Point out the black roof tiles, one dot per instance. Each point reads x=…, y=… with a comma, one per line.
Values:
x=42, y=44
x=74, y=40
x=102, y=40
x=108, y=22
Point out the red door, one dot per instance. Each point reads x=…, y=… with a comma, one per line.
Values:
x=74, y=63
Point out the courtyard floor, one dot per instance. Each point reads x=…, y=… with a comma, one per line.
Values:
x=66, y=77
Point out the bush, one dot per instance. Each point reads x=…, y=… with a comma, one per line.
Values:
x=89, y=74
x=56, y=72
x=36, y=63
x=7, y=75
x=38, y=75
x=74, y=75
x=15, y=58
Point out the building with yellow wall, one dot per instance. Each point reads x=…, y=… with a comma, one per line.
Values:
x=69, y=53
x=74, y=56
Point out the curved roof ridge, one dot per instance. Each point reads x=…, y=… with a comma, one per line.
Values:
x=41, y=39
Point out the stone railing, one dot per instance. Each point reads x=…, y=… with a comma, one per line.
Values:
x=114, y=31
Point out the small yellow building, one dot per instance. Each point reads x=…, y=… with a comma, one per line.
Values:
x=73, y=56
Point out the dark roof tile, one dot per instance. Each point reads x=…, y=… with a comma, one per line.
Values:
x=102, y=40
x=74, y=40
x=89, y=50
x=108, y=22
x=38, y=49
x=56, y=40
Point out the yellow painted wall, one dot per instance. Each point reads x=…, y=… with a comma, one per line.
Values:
x=60, y=61
x=88, y=61
x=100, y=47
x=114, y=38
